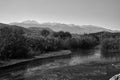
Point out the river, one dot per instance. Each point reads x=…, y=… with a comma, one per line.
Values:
x=33, y=68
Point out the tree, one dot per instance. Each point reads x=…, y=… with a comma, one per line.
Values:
x=62, y=35
x=45, y=33
x=12, y=44
x=68, y=35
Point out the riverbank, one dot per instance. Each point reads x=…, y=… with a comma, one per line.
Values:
x=60, y=68
x=88, y=71
x=42, y=56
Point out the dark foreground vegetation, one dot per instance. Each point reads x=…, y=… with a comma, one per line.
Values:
x=18, y=42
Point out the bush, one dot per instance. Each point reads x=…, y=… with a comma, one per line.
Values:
x=35, y=44
x=12, y=44
x=110, y=46
x=43, y=44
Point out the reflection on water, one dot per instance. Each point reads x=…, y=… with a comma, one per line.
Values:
x=39, y=66
x=85, y=56
x=111, y=56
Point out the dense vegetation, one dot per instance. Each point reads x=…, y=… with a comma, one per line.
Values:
x=43, y=44
x=12, y=43
x=16, y=42
x=105, y=35
x=111, y=47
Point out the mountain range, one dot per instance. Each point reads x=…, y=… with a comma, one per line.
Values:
x=77, y=29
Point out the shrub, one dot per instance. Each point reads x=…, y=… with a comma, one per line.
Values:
x=110, y=46
x=35, y=44
x=12, y=44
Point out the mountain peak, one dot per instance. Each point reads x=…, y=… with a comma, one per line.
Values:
x=30, y=22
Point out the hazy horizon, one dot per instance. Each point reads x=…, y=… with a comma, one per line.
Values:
x=37, y=22
x=104, y=13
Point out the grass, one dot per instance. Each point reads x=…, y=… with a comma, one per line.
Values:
x=91, y=71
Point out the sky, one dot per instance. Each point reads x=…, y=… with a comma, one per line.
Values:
x=104, y=13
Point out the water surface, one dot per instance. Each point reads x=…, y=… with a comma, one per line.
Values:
x=37, y=67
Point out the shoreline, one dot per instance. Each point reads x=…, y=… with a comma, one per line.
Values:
x=15, y=62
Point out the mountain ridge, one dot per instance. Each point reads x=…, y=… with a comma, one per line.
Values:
x=63, y=27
